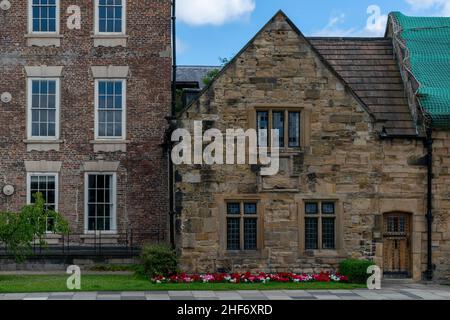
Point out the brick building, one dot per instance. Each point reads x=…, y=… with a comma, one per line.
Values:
x=353, y=179
x=86, y=88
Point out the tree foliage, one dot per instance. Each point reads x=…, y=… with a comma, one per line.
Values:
x=211, y=75
x=18, y=231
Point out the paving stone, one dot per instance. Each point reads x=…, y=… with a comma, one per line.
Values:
x=133, y=294
x=204, y=294
x=14, y=296
x=327, y=297
x=182, y=298
x=229, y=296
x=133, y=298
x=155, y=297
x=108, y=297
x=85, y=296
x=179, y=293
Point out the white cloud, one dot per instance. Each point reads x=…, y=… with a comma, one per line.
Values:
x=182, y=47
x=332, y=29
x=213, y=12
x=440, y=7
x=375, y=27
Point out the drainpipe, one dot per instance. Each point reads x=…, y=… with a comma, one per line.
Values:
x=429, y=216
x=171, y=120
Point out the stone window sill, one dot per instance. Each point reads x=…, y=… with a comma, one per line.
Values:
x=110, y=145
x=110, y=40
x=43, y=40
x=42, y=145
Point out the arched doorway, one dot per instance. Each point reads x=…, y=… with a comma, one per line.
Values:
x=397, y=244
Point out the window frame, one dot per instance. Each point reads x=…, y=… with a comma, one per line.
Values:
x=124, y=110
x=44, y=174
x=320, y=216
x=30, y=105
x=286, y=111
x=97, y=20
x=57, y=21
x=242, y=216
x=113, y=228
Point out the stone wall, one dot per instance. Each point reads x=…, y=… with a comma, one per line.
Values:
x=141, y=178
x=341, y=159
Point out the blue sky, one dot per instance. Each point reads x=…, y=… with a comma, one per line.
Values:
x=209, y=29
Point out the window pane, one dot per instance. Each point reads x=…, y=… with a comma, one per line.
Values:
x=250, y=234
x=100, y=202
x=43, y=108
x=311, y=208
x=328, y=238
x=233, y=208
x=262, y=119
x=294, y=129
x=311, y=234
x=46, y=185
x=110, y=16
x=328, y=208
x=44, y=16
x=278, y=124
x=250, y=208
x=233, y=234
x=110, y=112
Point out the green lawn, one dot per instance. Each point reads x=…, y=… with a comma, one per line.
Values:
x=39, y=283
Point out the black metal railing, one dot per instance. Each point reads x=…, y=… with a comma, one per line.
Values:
x=98, y=243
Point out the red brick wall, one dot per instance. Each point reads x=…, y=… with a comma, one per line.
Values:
x=142, y=178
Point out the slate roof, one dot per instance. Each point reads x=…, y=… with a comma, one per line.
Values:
x=193, y=75
x=368, y=66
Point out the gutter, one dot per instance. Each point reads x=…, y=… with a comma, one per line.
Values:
x=171, y=121
x=429, y=215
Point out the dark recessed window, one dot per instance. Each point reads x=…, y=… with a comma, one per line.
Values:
x=278, y=119
x=234, y=208
x=328, y=208
x=242, y=226
x=323, y=215
x=311, y=208
x=311, y=233
x=100, y=202
x=233, y=233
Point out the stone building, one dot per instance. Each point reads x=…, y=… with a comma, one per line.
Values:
x=353, y=176
x=85, y=92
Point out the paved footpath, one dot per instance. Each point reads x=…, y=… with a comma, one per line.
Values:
x=388, y=292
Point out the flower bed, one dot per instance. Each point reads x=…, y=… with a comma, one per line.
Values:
x=251, y=278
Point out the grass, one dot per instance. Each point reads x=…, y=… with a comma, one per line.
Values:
x=57, y=283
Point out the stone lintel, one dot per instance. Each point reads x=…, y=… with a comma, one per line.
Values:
x=105, y=72
x=100, y=166
x=43, y=71
x=43, y=166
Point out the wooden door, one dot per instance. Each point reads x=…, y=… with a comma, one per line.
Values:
x=397, y=244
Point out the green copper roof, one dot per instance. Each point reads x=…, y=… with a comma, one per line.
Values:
x=427, y=40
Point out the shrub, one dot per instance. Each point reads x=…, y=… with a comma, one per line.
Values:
x=157, y=260
x=355, y=270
